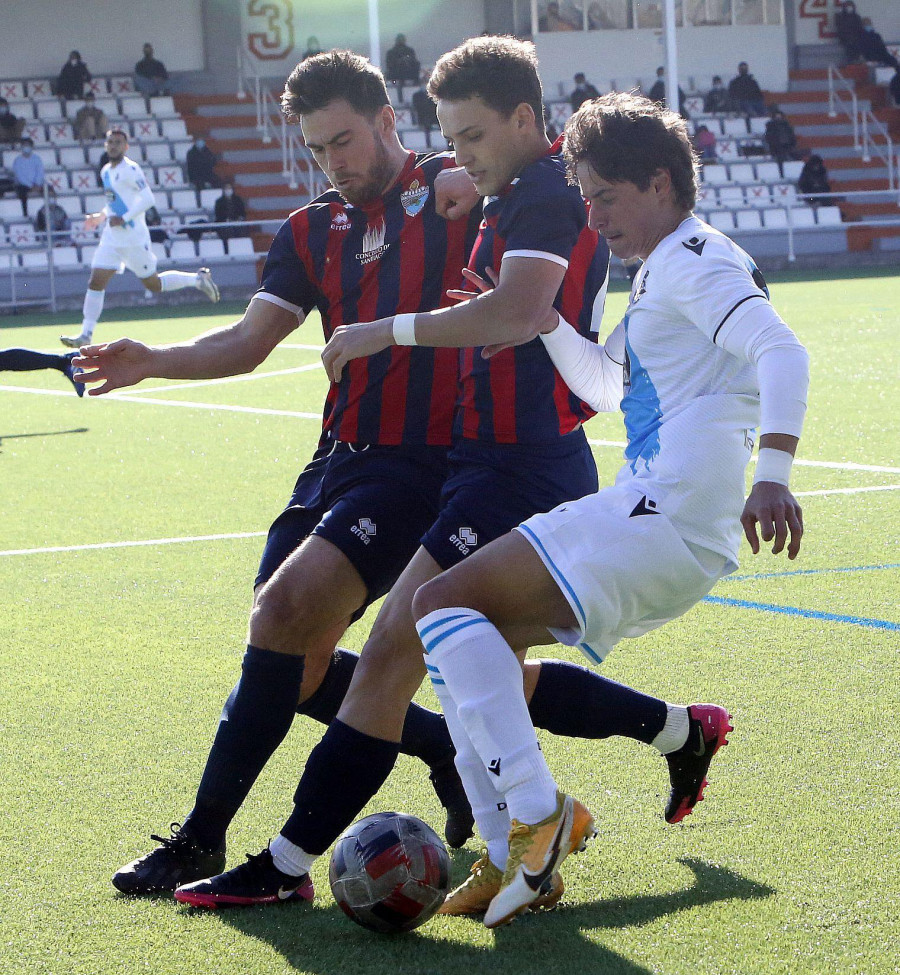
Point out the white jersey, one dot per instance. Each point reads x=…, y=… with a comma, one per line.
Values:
x=691, y=408
x=129, y=196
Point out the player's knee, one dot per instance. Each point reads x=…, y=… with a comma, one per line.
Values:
x=282, y=616
x=438, y=593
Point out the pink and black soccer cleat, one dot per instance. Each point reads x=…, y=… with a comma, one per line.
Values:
x=709, y=724
x=258, y=881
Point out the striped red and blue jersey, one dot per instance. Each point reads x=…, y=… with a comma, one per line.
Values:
x=359, y=264
x=517, y=396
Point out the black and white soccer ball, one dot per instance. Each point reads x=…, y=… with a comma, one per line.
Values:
x=389, y=872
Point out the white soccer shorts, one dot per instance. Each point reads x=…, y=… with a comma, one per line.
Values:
x=124, y=247
x=624, y=572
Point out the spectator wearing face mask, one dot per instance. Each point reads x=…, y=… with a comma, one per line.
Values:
x=873, y=47
x=230, y=208
x=716, y=99
x=28, y=174
x=51, y=217
x=73, y=77
x=200, y=163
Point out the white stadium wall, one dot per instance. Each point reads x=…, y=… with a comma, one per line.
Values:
x=108, y=33
x=815, y=19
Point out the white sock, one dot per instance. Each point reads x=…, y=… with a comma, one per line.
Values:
x=176, y=280
x=484, y=678
x=488, y=805
x=91, y=311
x=290, y=858
x=674, y=734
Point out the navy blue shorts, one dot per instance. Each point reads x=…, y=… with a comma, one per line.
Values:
x=493, y=488
x=374, y=503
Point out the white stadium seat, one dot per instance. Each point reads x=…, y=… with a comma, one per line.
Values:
x=829, y=216
x=208, y=198
x=768, y=172
x=94, y=153
x=734, y=126
x=121, y=84
x=212, y=249
x=183, y=250
x=144, y=130
x=748, y=220
x=240, y=247
x=72, y=157
x=65, y=257
x=170, y=177
x=722, y=220
x=715, y=175
x=133, y=106
x=758, y=125
x=71, y=203
x=94, y=202
x=10, y=209
x=404, y=118
x=793, y=168
x=728, y=149
x=180, y=149
x=416, y=140
x=758, y=195
x=731, y=196
x=47, y=157
x=157, y=152
x=57, y=180
x=162, y=106
x=108, y=105
x=39, y=88
x=36, y=131
x=784, y=193
x=693, y=104
x=173, y=128
x=803, y=216
x=60, y=133
x=12, y=89
x=84, y=180
x=159, y=249
x=98, y=86
x=8, y=156
x=775, y=218
x=49, y=110
x=35, y=258
x=87, y=253
x=184, y=201
x=742, y=173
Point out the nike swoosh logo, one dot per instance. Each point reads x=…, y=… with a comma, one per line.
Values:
x=285, y=893
x=537, y=880
x=701, y=751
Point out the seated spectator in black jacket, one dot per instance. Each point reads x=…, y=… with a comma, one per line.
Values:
x=401, y=63
x=150, y=75
x=814, y=179
x=10, y=125
x=657, y=92
x=200, y=162
x=716, y=99
x=73, y=77
x=424, y=109
x=873, y=47
x=230, y=208
x=53, y=216
x=848, y=26
x=780, y=136
x=582, y=92
x=745, y=94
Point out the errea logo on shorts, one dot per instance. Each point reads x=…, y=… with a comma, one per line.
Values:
x=364, y=530
x=465, y=540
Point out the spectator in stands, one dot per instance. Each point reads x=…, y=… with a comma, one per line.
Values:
x=158, y=234
x=894, y=88
x=10, y=125
x=400, y=63
x=553, y=20
x=705, y=143
x=745, y=94
x=28, y=173
x=814, y=179
x=200, y=163
x=873, y=47
x=230, y=208
x=583, y=91
x=51, y=215
x=150, y=75
x=549, y=125
x=424, y=109
x=716, y=99
x=780, y=137
x=312, y=48
x=73, y=77
x=848, y=26
x=658, y=92
x=90, y=122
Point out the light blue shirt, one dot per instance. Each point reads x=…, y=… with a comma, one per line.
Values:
x=28, y=170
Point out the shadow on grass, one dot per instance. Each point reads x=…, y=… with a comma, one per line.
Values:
x=48, y=433
x=324, y=942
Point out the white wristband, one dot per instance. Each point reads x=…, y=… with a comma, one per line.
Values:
x=405, y=329
x=773, y=465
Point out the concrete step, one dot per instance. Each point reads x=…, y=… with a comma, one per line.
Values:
x=822, y=129
x=260, y=154
x=869, y=238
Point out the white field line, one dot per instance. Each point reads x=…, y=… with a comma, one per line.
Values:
x=135, y=544
x=860, y=490
x=294, y=345
x=194, y=383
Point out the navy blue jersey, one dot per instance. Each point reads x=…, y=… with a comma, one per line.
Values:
x=359, y=264
x=517, y=396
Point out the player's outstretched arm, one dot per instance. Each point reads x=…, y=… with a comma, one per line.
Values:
x=228, y=351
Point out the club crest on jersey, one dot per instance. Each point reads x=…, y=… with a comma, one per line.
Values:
x=341, y=221
x=373, y=245
x=413, y=198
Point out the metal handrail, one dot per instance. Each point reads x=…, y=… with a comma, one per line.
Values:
x=835, y=100
x=884, y=152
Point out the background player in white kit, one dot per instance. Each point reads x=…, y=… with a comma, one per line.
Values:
x=703, y=359
x=126, y=240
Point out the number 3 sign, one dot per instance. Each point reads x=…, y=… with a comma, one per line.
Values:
x=276, y=39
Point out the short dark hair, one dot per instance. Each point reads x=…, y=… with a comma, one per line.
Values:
x=117, y=130
x=502, y=71
x=626, y=138
x=324, y=78
x=27, y=142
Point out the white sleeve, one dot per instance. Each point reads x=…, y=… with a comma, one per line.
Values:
x=782, y=366
x=141, y=202
x=595, y=373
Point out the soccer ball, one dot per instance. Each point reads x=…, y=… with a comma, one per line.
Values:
x=389, y=872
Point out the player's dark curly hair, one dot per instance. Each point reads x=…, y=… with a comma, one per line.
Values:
x=625, y=137
x=324, y=78
x=502, y=71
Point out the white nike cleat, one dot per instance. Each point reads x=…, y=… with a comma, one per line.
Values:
x=75, y=341
x=535, y=854
x=206, y=284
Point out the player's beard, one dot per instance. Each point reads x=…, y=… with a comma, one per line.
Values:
x=375, y=181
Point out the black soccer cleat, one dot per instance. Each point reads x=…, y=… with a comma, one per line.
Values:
x=178, y=859
x=709, y=724
x=71, y=373
x=448, y=785
x=258, y=881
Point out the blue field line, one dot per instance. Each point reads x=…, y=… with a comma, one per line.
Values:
x=809, y=572
x=807, y=613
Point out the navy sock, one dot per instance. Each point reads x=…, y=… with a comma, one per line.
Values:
x=255, y=720
x=578, y=703
x=425, y=733
x=27, y=360
x=343, y=772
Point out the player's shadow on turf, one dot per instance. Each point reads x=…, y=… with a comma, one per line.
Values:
x=324, y=942
x=48, y=433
